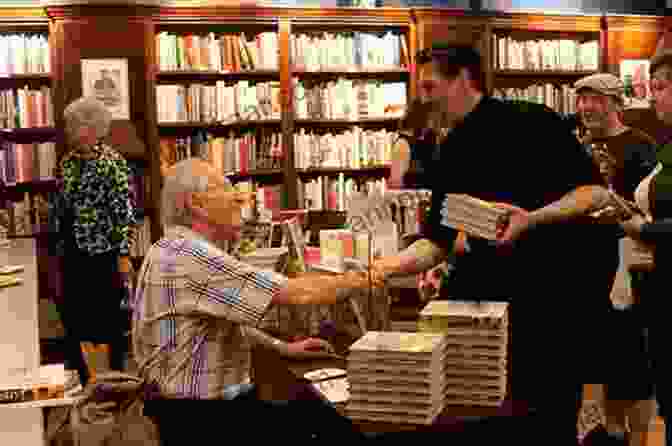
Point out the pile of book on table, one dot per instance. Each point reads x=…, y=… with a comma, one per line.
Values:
x=476, y=361
x=397, y=377
x=473, y=216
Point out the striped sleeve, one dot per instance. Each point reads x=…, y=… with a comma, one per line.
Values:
x=231, y=289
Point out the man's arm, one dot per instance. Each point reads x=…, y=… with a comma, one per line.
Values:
x=419, y=257
x=578, y=203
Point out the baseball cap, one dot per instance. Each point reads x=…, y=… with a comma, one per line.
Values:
x=602, y=83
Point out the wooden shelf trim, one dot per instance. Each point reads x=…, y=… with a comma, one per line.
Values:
x=255, y=173
x=543, y=73
x=298, y=16
x=332, y=171
x=346, y=123
x=40, y=185
x=215, y=125
x=216, y=74
x=541, y=22
x=25, y=76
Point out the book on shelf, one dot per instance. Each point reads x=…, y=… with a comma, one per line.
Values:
x=27, y=217
x=354, y=148
x=235, y=153
x=24, y=54
x=22, y=163
x=328, y=193
x=219, y=103
x=220, y=53
x=540, y=55
x=562, y=98
x=349, y=99
x=348, y=51
x=25, y=108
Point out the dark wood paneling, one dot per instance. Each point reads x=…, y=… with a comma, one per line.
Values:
x=110, y=32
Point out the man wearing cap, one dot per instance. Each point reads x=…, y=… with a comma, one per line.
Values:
x=626, y=156
x=549, y=260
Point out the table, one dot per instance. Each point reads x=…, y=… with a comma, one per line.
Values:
x=279, y=378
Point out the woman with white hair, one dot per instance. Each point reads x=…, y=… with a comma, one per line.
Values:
x=90, y=218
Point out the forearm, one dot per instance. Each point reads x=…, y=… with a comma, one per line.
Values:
x=579, y=202
x=320, y=288
x=419, y=257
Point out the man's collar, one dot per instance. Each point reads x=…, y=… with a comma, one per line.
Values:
x=178, y=231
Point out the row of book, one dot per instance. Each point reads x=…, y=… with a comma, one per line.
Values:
x=333, y=193
x=25, y=108
x=351, y=149
x=20, y=163
x=229, y=154
x=330, y=51
x=218, y=103
x=562, y=54
x=27, y=216
x=349, y=99
x=24, y=54
x=220, y=53
x=562, y=98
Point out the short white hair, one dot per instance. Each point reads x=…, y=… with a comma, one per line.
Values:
x=86, y=112
x=188, y=177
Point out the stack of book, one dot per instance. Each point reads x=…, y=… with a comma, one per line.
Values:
x=473, y=216
x=397, y=377
x=477, y=336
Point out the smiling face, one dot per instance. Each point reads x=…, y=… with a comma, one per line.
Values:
x=595, y=110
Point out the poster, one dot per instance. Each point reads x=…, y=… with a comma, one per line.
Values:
x=107, y=81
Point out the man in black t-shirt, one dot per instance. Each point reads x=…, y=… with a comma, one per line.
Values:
x=551, y=264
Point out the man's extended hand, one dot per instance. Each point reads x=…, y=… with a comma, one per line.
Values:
x=517, y=223
x=383, y=267
x=308, y=348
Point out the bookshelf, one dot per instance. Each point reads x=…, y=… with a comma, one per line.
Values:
x=320, y=48
x=27, y=126
x=538, y=58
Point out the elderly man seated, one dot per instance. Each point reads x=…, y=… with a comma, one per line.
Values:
x=194, y=315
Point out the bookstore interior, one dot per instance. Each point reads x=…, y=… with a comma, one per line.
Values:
x=301, y=106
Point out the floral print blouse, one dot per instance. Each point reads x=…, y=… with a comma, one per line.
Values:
x=92, y=207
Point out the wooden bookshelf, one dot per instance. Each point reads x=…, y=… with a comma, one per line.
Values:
x=343, y=123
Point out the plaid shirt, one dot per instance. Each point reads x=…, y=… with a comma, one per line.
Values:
x=191, y=306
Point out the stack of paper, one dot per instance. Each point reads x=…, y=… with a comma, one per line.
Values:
x=473, y=216
x=397, y=377
x=477, y=336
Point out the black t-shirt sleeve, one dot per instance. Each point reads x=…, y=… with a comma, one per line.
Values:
x=643, y=159
x=436, y=231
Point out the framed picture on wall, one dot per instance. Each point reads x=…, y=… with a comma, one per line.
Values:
x=107, y=81
x=635, y=77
